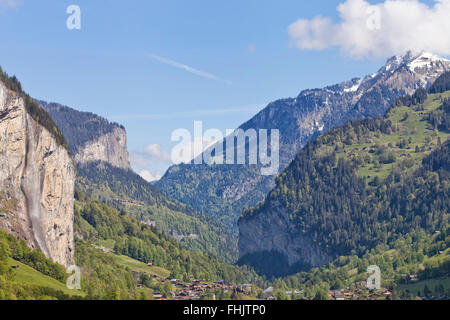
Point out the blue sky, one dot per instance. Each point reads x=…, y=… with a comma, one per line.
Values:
x=155, y=66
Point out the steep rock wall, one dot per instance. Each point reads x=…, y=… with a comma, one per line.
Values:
x=37, y=177
x=110, y=148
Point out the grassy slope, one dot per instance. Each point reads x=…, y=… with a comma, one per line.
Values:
x=141, y=267
x=417, y=288
x=415, y=127
x=26, y=274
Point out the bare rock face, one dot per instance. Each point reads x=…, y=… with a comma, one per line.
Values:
x=37, y=177
x=273, y=232
x=110, y=148
x=91, y=138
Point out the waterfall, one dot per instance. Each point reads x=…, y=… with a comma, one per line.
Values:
x=31, y=186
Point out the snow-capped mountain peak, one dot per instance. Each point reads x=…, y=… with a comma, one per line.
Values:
x=425, y=60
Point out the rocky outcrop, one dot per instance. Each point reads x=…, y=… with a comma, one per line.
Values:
x=110, y=148
x=91, y=138
x=37, y=177
x=274, y=232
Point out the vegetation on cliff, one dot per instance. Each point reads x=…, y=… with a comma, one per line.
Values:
x=34, y=109
x=78, y=127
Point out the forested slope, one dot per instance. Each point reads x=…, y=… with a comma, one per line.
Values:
x=367, y=183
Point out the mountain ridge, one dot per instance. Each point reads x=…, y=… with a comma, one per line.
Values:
x=223, y=191
x=90, y=137
x=355, y=187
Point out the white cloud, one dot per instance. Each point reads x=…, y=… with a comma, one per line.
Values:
x=138, y=159
x=155, y=152
x=384, y=29
x=152, y=154
x=188, y=69
x=150, y=177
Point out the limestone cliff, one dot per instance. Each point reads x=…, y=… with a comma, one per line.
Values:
x=110, y=148
x=37, y=177
x=274, y=232
x=91, y=138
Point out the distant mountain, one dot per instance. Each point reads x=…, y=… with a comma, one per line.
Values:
x=130, y=193
x=224, y=190
x=91, y=138
x=367, y=183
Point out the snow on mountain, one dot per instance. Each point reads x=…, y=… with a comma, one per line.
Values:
x=425, y=60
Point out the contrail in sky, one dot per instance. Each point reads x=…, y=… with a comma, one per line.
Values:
x=188, y=68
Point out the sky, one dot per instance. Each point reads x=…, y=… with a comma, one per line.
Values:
x=156, y=66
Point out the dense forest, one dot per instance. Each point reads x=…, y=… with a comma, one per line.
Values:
x=96, y=221
x=197, y=179
x=422, y=255
x=441, y=84
x=196, y=231
x=102, y=276
x=371, y=181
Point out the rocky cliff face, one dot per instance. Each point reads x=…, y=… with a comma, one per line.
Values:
x=91, y=138
x=110, y=148
x=274, y=232
x=37, y=177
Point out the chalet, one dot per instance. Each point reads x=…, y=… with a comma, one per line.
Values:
x=15, y=266
x=150, y=264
